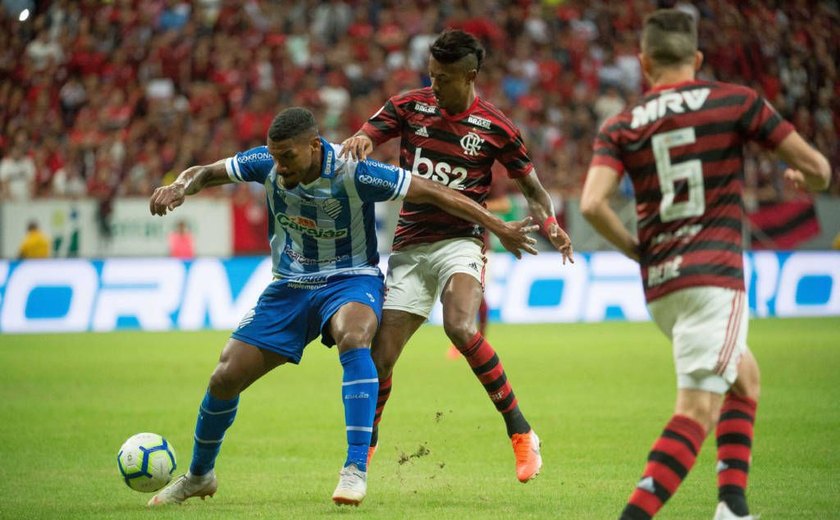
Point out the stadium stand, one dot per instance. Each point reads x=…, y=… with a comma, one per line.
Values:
x=108, y=99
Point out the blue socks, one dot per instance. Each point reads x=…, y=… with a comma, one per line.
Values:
x=359, y=388
x=214, y=417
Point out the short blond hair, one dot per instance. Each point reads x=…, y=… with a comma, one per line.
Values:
x=669, y=37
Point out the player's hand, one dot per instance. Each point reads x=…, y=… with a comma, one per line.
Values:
x=797, y=178
x=357, y=147
x=515, y=237
x=166, y=198
x=561, y=241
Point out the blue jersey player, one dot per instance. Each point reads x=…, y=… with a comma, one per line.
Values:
x=326, y=280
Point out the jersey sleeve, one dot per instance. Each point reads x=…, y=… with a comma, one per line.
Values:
x=375, y=181
x=514, y=156
x=605, y=149
x=385, y=124
x=760, y=122
x=252, y=165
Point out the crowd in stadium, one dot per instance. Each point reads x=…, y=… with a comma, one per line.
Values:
x=111, y=98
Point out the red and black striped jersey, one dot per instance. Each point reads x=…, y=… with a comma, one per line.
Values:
x=455, y=150
x=682, y=146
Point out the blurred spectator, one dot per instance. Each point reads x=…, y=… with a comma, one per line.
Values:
x=43, y=52
x=35, y=244
x=181, y=242
x=149, y=84
x=17, y=174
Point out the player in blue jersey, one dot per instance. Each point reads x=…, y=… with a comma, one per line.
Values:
x=326, y=280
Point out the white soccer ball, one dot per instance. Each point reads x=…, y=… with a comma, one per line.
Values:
x=146, y=462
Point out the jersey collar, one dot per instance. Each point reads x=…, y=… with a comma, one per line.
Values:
x=671, y=86
x=463, y=114
x=327, y=159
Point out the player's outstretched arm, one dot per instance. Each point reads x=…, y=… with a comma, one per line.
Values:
x=539, y=202
x=513, y=235
x=809, y=168
x=357, y=147
x=189, y=182
x=601, y=181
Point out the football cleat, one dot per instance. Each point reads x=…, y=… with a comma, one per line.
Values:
x=724, y=513
x=526, y=449
x=352, y=486
x=184, y=487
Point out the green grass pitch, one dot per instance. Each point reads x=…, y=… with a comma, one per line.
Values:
x=598, y=395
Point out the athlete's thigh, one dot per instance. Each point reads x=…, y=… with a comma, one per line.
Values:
x=348, y=310
x=461, y=298
x=353, y=325
x=410, y=283
x=396, y=329
x=458, y=255
x=708, y=329
x=280, y=322
x=460, y=264
x=241, y=363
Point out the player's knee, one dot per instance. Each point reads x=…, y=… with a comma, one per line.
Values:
x=700, y=412
x=384, y=360
x=356, y=338
x=459, y=332
x=225, y=383
x=748, y=383
x=748, y=388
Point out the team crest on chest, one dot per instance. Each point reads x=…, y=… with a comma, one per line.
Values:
x=331, y=207
x=471, y=143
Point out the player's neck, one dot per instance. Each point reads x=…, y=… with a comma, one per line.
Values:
x=460, y=108
x=671, y=76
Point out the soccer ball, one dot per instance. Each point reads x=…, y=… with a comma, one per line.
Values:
x=146, y=462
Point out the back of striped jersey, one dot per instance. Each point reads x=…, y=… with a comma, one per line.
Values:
x=682, y=147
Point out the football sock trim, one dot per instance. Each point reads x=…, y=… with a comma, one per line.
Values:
x=215, y=416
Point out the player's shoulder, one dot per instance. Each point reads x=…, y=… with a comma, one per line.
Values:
x=490, y=112
x=337, y=164
x=254, y=154
x=418, y=95
x=724, y=88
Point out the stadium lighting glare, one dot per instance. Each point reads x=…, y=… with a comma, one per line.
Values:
x=24, y=15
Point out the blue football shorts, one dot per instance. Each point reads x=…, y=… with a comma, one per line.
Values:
x=288, y=316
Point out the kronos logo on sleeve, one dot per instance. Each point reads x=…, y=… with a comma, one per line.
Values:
x=376, y=181
x=259, y=156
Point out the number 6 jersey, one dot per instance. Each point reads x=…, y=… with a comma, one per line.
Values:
x=457, y=151
x=682, y=146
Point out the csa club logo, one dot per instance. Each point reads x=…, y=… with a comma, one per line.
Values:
x=471, y=143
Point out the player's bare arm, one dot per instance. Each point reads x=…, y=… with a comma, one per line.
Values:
x=601, y=182
x=357, y=146
x=189, y=182
x=541, y=207
x=513, y=235
x=808, y=168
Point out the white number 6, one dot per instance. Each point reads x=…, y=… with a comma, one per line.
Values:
x=690, y=171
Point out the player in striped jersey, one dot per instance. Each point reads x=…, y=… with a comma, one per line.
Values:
x=451, y=135
x=326, y=280
x=682, y=146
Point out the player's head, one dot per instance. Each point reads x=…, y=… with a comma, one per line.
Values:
x=669, y=41
x=294, y=144
x=32, y=225
x=455, y=60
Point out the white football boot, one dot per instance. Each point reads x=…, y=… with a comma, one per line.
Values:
x=184, y=487
x=352, y=486
x=724, y=513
